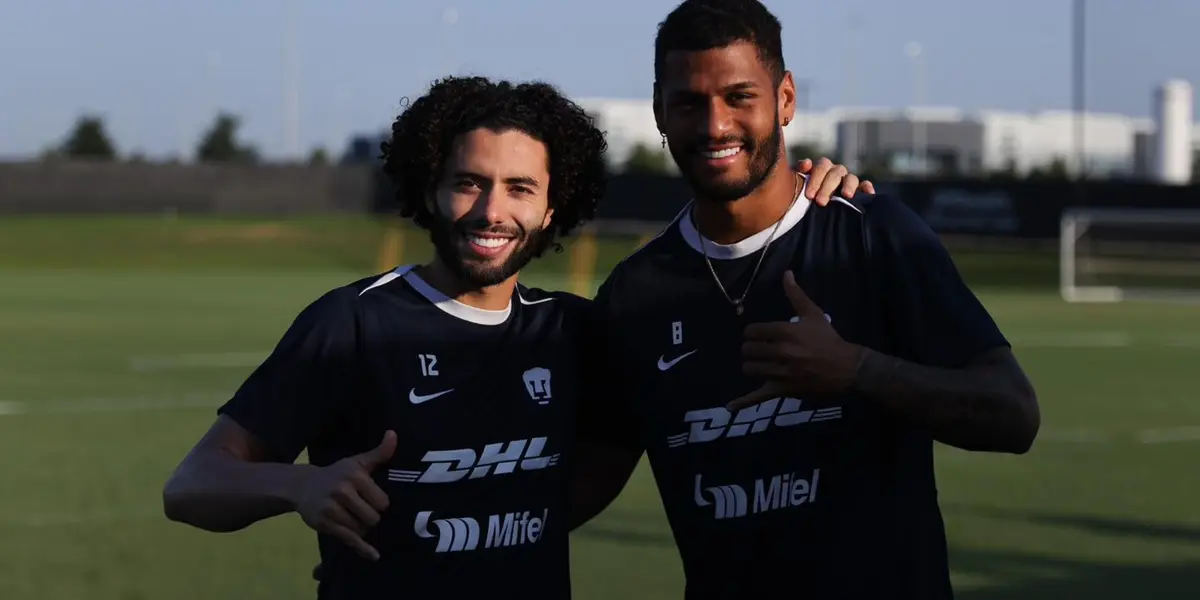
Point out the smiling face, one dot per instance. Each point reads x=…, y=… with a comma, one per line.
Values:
x=491, y=207
x=720, y=110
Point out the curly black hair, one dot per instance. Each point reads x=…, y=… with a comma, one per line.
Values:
x=423, y=135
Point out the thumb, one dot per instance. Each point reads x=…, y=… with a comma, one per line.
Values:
x=766, y=392
x=800, y=301
x=804, y=166
x=381, y=453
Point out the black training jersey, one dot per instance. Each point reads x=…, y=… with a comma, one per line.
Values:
x=483, y=406
x=814, y=497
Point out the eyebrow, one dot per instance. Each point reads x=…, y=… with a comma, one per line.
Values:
x=518, y=180
x=741, y=86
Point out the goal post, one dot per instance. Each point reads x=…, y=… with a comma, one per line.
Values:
x=1118, y=254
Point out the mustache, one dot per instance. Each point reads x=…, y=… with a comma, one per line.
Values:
x=481, y=226
x=703, y=144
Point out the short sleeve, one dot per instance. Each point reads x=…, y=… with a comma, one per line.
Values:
x=930, y=309
x=288, y=398
x=605, y=413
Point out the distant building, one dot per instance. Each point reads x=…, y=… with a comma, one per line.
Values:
x=948, y=139
x=944, y=140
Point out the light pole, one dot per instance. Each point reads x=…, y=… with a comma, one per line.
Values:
x=916, y=55
x=291, y=82
x=1079, y=98
x=851, y=148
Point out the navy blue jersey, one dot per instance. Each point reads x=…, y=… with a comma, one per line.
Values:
x=814, y=497
x=483, y=404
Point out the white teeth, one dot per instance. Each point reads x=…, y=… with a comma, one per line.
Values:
x=489, y=242
x=722, y=153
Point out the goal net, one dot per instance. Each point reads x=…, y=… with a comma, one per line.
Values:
x=1111, y=255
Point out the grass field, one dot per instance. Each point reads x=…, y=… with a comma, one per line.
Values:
x=120, y=336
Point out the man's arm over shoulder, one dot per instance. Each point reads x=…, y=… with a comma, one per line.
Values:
x=608, y=446
x=241, y=470
x=959, y=378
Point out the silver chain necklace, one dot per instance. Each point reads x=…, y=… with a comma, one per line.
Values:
x=739, y=305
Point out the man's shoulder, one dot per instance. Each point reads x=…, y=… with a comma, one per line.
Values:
x=341, y=300
x=347, y=298
x=869, y=206
x=531, y=294
x=639, y=268
x=554, y=300
x=881, y=216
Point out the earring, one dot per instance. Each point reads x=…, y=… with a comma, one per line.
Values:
x=664, y=137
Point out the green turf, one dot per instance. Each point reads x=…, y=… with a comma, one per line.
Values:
x=96, y=408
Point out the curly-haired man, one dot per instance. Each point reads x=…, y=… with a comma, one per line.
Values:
x=437, y=403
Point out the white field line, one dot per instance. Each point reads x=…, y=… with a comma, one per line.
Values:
x=1086, y=339
x=1097, y=339
x=1169, y=435
x=128, y=404
x=68, y=519
x=1075, y=435
x=218, y=360
x=1101, y=339
x=1061, y=435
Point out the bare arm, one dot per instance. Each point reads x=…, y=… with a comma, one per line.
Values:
x=989, y=405
x=228, y=482
x=600, y=474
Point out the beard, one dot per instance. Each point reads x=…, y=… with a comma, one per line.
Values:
x=763, y=154
x=448, y=239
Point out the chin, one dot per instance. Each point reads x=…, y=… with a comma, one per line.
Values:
x=724, y=189
x=484, y=277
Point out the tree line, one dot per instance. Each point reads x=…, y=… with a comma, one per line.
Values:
x=90, y=140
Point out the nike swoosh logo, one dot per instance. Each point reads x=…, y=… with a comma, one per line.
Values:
x=415, y=399
x=663, y=365
x=828, y=319
x=532, y=302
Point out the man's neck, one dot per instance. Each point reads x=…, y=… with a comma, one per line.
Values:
x=731, y=222
x=492, y=297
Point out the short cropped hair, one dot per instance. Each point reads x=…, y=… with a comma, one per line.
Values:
x=697, y=25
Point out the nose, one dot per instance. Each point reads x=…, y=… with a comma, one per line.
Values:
x=490, y=204
x=720, y=120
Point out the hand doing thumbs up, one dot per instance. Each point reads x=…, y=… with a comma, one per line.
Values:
x=342, y=500
x=803, y=356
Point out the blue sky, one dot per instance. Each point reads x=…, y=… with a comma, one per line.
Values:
x=158, y=70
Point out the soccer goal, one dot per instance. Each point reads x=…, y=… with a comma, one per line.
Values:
x=1112, y=255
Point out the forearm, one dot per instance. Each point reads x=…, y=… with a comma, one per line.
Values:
x=600, y=475
x=223, y=493
x=989, y=406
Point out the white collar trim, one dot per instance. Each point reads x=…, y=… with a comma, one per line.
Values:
x=451, y=306
x=748, y=246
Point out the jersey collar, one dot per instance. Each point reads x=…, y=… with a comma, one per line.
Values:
x=748, y=246
x=449, y=305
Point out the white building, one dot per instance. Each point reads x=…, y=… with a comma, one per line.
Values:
x=1114, y=144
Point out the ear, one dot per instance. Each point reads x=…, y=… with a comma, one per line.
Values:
x=549, y=217
x=786, y=98
x=658, y=109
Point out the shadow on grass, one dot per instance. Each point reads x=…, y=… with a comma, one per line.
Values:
x=628, y=528
x=1011, y=575
x=1159, y=532
x=1029, y=577
x=626, y=536
x=1036, y=577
